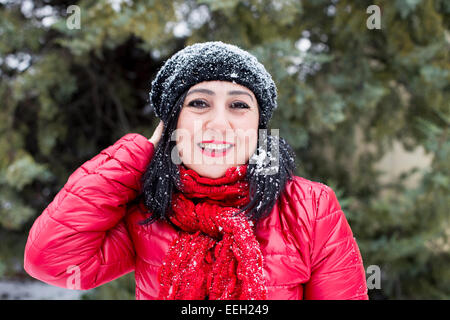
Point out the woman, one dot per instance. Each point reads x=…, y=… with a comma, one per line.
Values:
x=208, y=207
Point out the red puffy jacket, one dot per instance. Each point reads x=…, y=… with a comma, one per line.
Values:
x=89, y=234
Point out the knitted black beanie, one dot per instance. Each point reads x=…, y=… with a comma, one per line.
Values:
x=209, y=61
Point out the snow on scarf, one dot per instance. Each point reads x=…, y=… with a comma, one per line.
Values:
x=216, y=255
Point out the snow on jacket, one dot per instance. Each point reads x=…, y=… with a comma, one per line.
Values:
x=89, y=234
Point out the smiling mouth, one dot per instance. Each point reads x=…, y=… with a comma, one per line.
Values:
x=215, y=149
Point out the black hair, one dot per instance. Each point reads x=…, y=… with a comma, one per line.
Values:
x=265, y=183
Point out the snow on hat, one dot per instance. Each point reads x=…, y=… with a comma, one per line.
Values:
x=209, y=61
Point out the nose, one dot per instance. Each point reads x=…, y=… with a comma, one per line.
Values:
x=219, y=120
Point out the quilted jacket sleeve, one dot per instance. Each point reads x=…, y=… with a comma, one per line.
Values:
x=80, y=240
x=337, y=271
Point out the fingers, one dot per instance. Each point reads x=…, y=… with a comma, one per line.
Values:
x=157, y=134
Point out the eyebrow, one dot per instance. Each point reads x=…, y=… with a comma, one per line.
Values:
x=207, y=91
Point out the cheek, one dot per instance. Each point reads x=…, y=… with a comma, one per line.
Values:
x=189, y=128
x=184, y=131
x=248, y=140
x=250, y=144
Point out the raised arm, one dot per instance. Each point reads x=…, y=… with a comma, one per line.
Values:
x=80, y=240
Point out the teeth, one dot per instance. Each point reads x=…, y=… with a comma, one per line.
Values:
x=214, y=146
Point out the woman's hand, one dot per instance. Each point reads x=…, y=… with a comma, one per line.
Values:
x=157, y=134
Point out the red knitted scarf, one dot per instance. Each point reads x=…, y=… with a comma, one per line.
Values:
x=216, y=255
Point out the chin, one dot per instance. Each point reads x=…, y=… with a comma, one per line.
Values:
x=210, y=170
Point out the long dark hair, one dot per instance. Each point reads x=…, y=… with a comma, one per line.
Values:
x=266, y=183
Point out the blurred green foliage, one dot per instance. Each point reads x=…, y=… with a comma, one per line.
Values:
x=346, y=94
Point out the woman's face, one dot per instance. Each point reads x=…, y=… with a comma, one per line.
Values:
x=217, y=127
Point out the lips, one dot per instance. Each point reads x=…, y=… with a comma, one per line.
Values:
x=214, y=148
x=216, y=141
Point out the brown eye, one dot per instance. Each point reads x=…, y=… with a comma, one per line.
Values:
x=198, y=104
x=239, y=105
